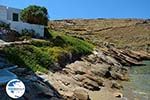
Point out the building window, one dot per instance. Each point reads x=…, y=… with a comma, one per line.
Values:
x=15, y=17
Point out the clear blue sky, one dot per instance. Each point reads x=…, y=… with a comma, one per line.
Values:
x=62, y=9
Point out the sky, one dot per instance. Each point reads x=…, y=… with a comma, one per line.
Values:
x=70, y=9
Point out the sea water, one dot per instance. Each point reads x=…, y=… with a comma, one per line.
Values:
x=138, y=88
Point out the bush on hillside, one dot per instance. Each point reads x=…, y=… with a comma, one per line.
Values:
x=76, y=45
x=35, y=15
x=42, y=55
x=41, y=43
x=47, y=35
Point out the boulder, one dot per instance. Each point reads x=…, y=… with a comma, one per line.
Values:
x=116, y=85
x=119, y=76
x=99, y=80
x=91, y=85
x=99, y=70
x=143, y=55
x=81, y=94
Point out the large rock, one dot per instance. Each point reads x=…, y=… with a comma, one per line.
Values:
x=78, y=67
x=119, y=76
x=128, y=58
x=36, y=88
x=143, y=55
x=116, y=85
x=91, y=85
x=81, y=94
x=99, y=80
x=99, y=70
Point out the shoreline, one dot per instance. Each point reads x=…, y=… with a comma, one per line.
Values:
x=138, y=86
x=99, y=72
x=107, y=93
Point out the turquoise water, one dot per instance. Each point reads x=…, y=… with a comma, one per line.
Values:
x=138, y=88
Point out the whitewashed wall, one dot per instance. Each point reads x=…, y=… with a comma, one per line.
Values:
x=3, y=12
x=10, y=12
x=19, y=26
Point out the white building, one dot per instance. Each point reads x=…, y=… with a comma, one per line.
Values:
x=12, y=16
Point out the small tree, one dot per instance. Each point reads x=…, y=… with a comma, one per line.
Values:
x=34, y=15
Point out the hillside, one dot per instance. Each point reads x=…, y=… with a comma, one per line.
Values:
x=133, y=34
x=42, y=55
x=64, y=65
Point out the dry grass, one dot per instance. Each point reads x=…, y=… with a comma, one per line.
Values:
x=123, y=33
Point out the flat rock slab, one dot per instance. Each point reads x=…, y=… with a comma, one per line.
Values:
x=6, y=76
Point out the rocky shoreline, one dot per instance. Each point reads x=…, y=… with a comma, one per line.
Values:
x=100, y=71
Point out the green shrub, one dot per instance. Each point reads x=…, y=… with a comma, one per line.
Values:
x=34, y=15
x=59, y=41
x=40, y=43
x=4, y=25
x=24, y=38
x=47, y=35
x=41, y=55
x=76, y=45
x=28, y=32
x=28, y=56
x=55, y=52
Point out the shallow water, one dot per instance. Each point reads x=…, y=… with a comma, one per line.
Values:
x=138, y=88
